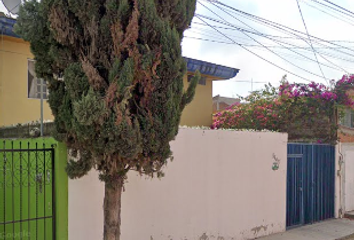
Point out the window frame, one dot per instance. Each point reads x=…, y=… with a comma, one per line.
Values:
x=36, y=79
x=347, y=120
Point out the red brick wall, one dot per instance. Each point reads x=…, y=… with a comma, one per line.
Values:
x=345, y=134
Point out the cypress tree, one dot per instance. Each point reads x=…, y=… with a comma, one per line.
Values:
x=114, y=71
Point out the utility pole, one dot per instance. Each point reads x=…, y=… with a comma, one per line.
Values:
x=251, y=84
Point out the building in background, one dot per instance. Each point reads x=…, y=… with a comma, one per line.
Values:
x=221, y=103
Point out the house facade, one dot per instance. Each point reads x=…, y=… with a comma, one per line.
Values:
x=20, y=90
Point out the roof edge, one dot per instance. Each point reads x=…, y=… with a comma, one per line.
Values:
x=211, y=69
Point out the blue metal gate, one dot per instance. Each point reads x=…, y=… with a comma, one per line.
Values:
x=310, y=183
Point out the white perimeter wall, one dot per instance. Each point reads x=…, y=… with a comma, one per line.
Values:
x=220, y=186
x=348, y=157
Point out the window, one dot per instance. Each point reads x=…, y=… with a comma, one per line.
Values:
x=35, y=85
x=347, y=119
x=202, y=80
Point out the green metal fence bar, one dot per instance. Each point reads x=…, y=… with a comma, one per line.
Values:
x=40, y=192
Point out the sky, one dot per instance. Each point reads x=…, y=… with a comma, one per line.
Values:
x=251, y=67
x=319, y=23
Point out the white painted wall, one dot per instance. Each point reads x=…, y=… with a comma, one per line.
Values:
x=220, y=186
x=85, y=208
x=338, y=183
x=348, y=155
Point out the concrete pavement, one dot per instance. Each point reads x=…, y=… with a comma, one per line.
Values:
x=328, y=230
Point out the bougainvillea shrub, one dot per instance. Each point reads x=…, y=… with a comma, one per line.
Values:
x=304, y=111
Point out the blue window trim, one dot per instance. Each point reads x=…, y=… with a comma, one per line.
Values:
x=211, y=69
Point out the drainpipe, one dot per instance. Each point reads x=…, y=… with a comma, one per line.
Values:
x=340, y=174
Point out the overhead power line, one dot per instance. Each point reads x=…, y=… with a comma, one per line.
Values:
x=257, y=32
x=300, y=37
x=289, y=43
x=310, y=42
x=268, y=35
x=295, y=35
x=319, y=64
x=258, y=46
x=289, y=62
x=278, y=26
x=278, y=40
x=257, y=55
x=346, y=10
x=340, y=18
x=346, y=13
x=284, y=59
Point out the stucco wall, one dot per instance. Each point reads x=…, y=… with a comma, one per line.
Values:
x=348, y=174
x=199, y=111
x=15, y=107
x=220, y=186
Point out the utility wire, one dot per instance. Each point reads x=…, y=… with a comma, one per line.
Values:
x=307, y=43
x=282, y=46
x=289, y=48
x=277, y=25
x=271, y=36
x=327, y=1
x=274, y=38
x=310, y=42
x=289, y=62
x=287, y=43
x=284, y=59
x=330, y=14
x=289, y=55
x=286, y=31
x=211, y=40
x=257, y=32
x=322, y=52
x=302, y=58
x=257, y=55
x=333, y=8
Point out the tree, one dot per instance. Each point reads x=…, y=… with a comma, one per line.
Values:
x=115, y=76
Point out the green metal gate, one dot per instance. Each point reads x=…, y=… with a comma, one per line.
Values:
x=27, y=192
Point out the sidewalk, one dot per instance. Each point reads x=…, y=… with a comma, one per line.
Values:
x=328, y=230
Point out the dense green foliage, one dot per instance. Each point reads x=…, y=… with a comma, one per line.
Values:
x=115, y=75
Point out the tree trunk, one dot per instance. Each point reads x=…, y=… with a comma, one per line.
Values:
x=112, y=209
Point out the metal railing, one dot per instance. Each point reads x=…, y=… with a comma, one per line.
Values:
x=27, y=206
